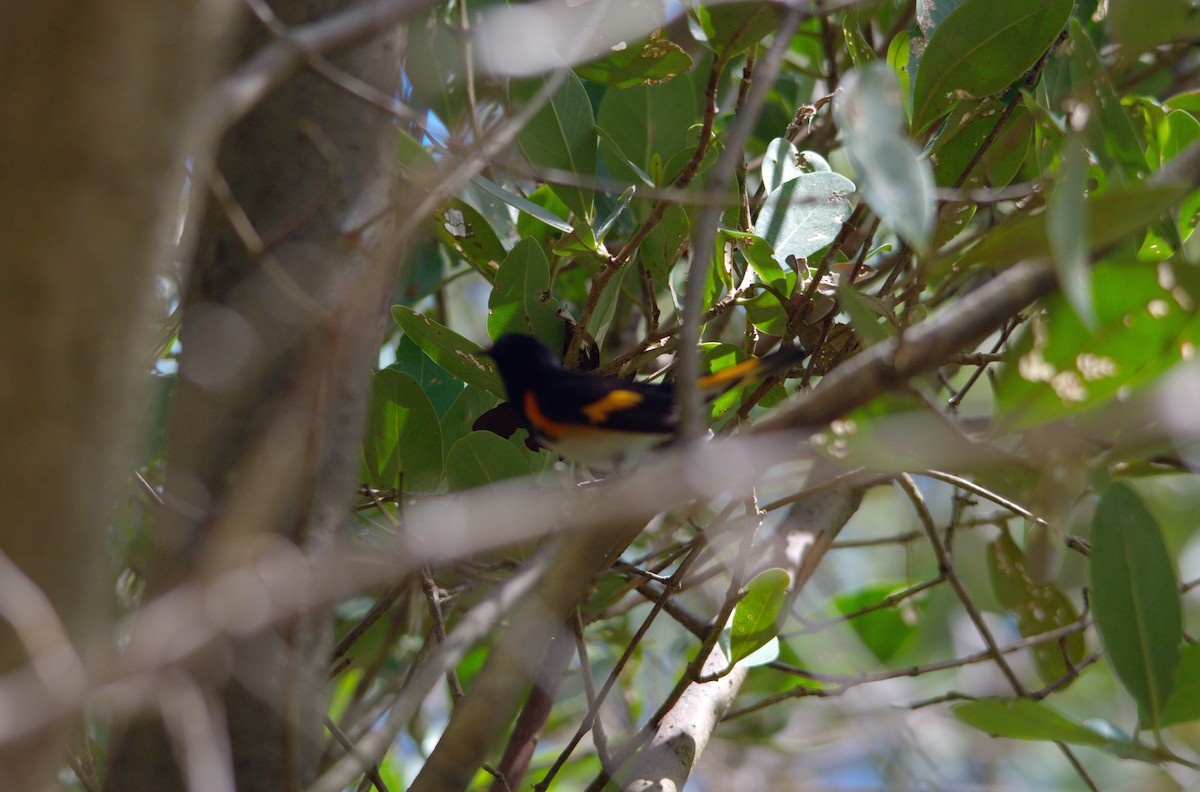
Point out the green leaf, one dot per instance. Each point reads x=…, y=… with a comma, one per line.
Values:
x=865, y=314
x=1110, y=131
x=661, y=248
x=521, y=302
x=523, y=205
x=651, y=61
x=1135, y=599
x=606, y=306
x=1174, y=500
x=780, y=164
x=643, y=125
x=562, y=136
x=439, y=385
x=756, y=616
x=462, y=413
x=767, y=653
x=981, y=48
x=716, y=357
x=1185, y=100
x=1039, y=607
x=899, y=60
x=534, y=227
x=1183, y=705
x=860, y=51
x=449, y=350
x=1142, y=24
x=758, y=255
x=483, y=458
x=1112, y=216
x=1066, y=230
x=607, y=223
x=812, y=162
x=931, y=13
x=460, y=227
x=764, y=311
x=956, y=148
x=1145, y=324
x=887, y=630
x=893, y=179
x=403, y=446
x=414, y=161
x=1026, y=719
x=805, y=214
x=1179, y=130
x=731, y=28
x=435, y=66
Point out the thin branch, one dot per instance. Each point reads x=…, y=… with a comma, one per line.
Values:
x=243, y=90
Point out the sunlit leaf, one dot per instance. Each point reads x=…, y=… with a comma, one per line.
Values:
x=805, y=214
x=899, y=56
x=781, y=163
x=767, y=653
x=606, y=305
x=756, y=616
x=758, y=255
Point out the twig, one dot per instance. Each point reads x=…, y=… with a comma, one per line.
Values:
x=267, y=70
x=372, y=768
x=688, y=395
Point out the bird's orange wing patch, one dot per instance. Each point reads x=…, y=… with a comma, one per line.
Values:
x=614, y=401
x=547, y=426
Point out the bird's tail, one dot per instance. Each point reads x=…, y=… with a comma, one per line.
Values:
x=754, y=368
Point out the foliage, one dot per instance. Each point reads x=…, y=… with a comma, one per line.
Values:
x=1040, y=556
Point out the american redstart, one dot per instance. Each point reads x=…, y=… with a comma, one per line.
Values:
x=602, y=421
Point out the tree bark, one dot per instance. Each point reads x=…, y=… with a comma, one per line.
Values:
x=98, y=105
x=281, y=322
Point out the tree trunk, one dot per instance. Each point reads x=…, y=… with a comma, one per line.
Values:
x=97, y=111
x=281, y=323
